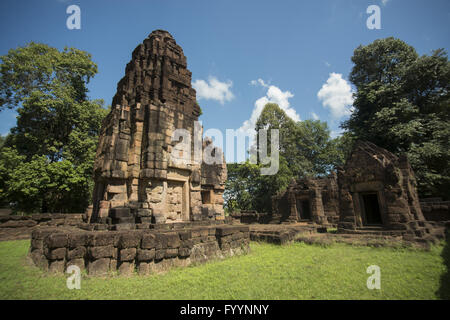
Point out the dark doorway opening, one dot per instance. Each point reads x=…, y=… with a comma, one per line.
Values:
x=303, y=209
x=372, y=215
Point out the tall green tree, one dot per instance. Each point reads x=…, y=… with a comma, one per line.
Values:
x=2, y=140
x=305, y=145
x=402, y=103
x=46, y=162
x=247, y=189
x=39, y=67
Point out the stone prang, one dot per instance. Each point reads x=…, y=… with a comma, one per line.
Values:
x=136, y=172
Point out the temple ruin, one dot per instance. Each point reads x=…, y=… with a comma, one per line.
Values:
x=308, y=200
x=158, y=194
x=138, y=172
x=374, y=192
x=377, y=188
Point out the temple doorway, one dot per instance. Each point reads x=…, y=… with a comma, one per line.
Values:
x=371, y=209
x=303, y=209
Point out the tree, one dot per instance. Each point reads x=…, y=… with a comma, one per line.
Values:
x=402, y=103
x=2, y=141
x=247, y=189
x=305, y=145
x=239, y=188
x=306, y=149
x=56, y=132
x=39, y=67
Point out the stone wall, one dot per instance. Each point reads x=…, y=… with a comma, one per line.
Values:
x=250, y=216
x=20, y=227
x=310, y=199
x=144, y=251
x=390, y=179
x=377, y=191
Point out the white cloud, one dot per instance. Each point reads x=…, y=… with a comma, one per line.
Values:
x=314, y=116
x=384, y=2
x=336, y=95
x=274, y=95
x=327, y=64
x=260, y=82
x=214, y=90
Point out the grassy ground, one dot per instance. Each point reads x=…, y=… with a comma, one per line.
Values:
x=297, y=271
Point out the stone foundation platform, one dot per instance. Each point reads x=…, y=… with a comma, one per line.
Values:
x=283, y=233
x=145, y=251
x=430, y=233
x=14, y=227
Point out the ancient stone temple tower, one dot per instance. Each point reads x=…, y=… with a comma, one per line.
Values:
x=378, y=188
x=136, y=175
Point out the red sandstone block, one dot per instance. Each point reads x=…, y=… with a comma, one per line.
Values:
x=57, y=240
x=127, y=254
x=101, y=252
x=78, y=252
x=130, y=239
x=99, y=267
x=145, y=255
x=171, y=253
x=148, y=241
x=97, y=239
x=56, y=254
x=77, y=239
x=173, y=240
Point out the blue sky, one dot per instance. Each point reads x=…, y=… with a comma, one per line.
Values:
x=241, y=53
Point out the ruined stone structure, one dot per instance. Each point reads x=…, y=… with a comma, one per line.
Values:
x=377, y=188
x=314, y=200
x=435, y=209
x=141, y=174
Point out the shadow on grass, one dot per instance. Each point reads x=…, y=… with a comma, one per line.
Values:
x=444, y=289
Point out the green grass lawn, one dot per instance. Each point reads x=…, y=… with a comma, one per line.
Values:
x=296, y=271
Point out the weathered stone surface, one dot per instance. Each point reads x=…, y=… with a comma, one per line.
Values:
x=145, y=255
x=56, y=254
x=99, y=239
x=310, y=199
x=161, y=241
x=56, y=240
x=148, y=241
x=148, y=251
x=76, y=253
x=99, y=267
x=102, y=252
x=170, y=253
x=18, y=224
x=378, y=188
x=173, y=240
x=130, y=240
x=127, y=254
x=77, y=239
x=56, y=266
x=126, y=268
x=79, y=262
x=39, y=259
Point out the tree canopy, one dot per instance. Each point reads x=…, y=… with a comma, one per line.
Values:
x=46, y=161
x=402, y=103
x=306, y=149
